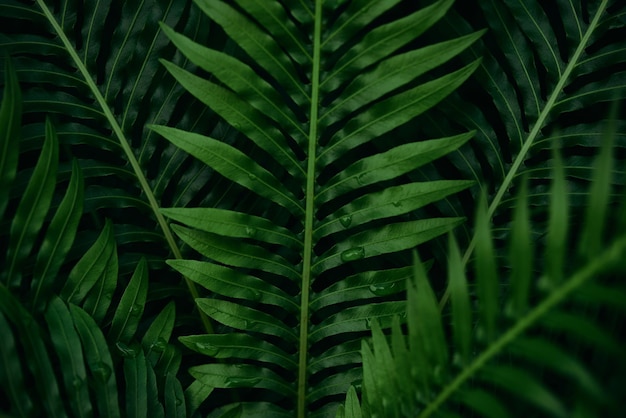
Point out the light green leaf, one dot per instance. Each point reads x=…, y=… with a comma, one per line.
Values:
x=59, y=238
x=131, y=305
x=174, y=398
x=258, y=44
x=158, y=334
x=231, y=283
x=90, y=268
x=69, y=350
x=232, y=164
x=233, y=252
x=242, y=346
x=388, y=165
x=460, y=299
x=32, y=209
x=233, y=224
x=240, y=376
x=244, y=318
x=136, y=376
x=99, y=361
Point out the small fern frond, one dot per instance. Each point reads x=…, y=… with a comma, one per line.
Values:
x=549, y=71
x=561, y=325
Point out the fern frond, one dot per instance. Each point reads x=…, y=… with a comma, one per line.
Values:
x=547, y=75
x=94, y=68
x=301, y=279
x=544, y=328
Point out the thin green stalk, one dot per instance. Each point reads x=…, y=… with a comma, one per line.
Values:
x=521, y=156
x=309, y=216
x=169, y=237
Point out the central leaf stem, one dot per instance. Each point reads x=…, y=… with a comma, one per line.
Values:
x=309, y=215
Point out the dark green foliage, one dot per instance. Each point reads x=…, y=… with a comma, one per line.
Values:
x=552, y=351
x=206, y=206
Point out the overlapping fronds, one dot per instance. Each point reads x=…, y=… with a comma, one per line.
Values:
x=548, y=344
x=55, y=359
x=312, y=87
x=92, y=67
x=549, y=70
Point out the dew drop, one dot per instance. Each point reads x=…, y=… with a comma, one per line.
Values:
x=353, y=254
x=238, y=382
x=208, y=349
x=345, y=220
x=397, y=203
x=125, y=350
x=77, y=383
x=179, y=402
x=136, y=308
x=251, y=294
x=101, y=371
x=159, y=345
x=361, y=178
x=251, y=232
x=251, y=176
x=383, y=289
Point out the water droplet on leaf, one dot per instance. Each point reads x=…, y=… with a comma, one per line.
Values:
x=125, y=350
x=383, y=289
x=159, y=345
x=251, y=232
x=136, y=308
x=251, y=176
x=179, y=402
x=361, y=178
x=101, y=371
x=251, y=294
x=238, y=382
x=353, y=254
x=208, y=349
x=345, y=220
x=397, y=204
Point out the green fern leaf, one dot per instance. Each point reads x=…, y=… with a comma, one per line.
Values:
x=313, y=106
x=541, y=332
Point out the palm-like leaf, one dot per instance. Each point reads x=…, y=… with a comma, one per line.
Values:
x=311, y=105
x=544, y=329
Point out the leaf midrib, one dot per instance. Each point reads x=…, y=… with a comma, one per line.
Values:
x=530, y=139
x=309, y=215
x=124, y=143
